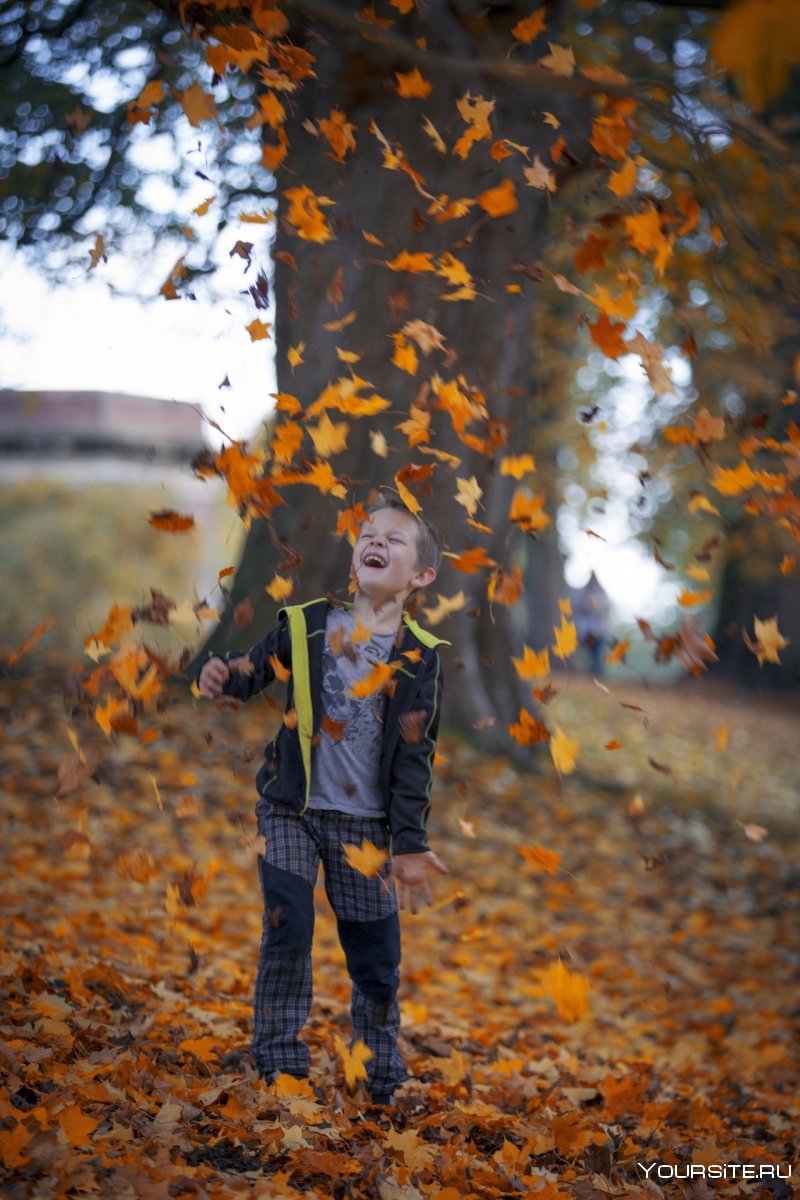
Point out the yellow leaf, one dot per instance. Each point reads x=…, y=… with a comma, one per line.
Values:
x=721, y=737
x=566, y=638
x=342, y=323
x=204, y=1048
x=305, y=214
x=446, y=606
x=279, y=588
x=404, y=261
x=455, y=1068
x=434, y=135
x=548, y=860
x=623, y=181
x=517, y=466
x=533, y=664
x=469, y=493
x=539, y=176
x=353, y=1060
x=622, y=308
x=769, y=640
x=698, y=501
x=329, y=438
x=258, y=330
x=569, y=989
x=295, y=355
x=565, y=607
x=560, y=60
x=405, y=356
x=347, y=356
x=527, y=511
x=701, y=574
x=197, y=104
x=408, y=498
x=203, y=208
x=563, y=751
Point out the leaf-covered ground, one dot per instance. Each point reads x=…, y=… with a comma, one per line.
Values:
x=132, y=918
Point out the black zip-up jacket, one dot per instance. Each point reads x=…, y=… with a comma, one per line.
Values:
x=406, y=765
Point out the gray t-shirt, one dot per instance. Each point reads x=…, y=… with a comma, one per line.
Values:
x=345, y=769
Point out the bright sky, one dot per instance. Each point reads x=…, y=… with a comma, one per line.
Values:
x=82, y=337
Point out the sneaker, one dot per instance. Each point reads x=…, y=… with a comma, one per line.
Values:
x=382, y=1099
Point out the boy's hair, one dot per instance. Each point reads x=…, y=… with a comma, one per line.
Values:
x=429, y=540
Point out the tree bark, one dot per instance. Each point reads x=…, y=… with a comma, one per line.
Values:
x=488, y=342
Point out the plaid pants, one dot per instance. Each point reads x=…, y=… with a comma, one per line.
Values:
x=369, y=932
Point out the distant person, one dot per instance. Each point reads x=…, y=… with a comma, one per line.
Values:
x=347, y=768
x=591, y=610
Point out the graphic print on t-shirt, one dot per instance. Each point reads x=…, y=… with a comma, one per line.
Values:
x=345, y=768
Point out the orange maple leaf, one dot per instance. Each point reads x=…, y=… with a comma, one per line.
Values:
x=548, y=860
x=412, y=86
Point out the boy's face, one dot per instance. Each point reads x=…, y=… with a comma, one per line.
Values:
x=389, y=538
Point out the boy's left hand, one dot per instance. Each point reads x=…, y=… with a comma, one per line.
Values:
x=411, y=873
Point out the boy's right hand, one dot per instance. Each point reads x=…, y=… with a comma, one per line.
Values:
x=213, y=677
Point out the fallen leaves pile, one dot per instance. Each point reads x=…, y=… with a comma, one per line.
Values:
x=599, y=984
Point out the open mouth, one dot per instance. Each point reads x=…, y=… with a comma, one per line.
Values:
x=372, y=559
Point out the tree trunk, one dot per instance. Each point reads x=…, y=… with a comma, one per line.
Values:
x=749, y=590
x=487, y=341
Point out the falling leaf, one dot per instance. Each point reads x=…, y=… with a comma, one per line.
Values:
x=539, y=176
x=367, y=859
x=354, y=1060
x=548, y=860
x=38, y=632
x=569, y=989
x=499, y=201
x=468, y=494
x=769, y=640
x=529, y=731
x=533, y=664
x=563, y=751
x=412, y=86
x=305, y=214
x=689, y=599
x=258, y=330
x=529, y=27
x=754, y=833
x=617, y=655
x=97, y=252
x=566, y=638
x=197, y=104
x=560, y=60
x=294, y=355
x=517, y=466
x=623, y=181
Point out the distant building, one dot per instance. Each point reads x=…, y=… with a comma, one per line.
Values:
x=98, y=423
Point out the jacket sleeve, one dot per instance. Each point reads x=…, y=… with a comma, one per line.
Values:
x=411, y=776
x=244, y=684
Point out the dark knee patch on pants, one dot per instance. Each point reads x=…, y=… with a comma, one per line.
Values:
x=372, y=950
x=289, y=912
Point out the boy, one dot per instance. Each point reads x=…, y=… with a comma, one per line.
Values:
x=349, y=768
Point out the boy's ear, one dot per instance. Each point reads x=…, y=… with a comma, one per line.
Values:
x=423, y=578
